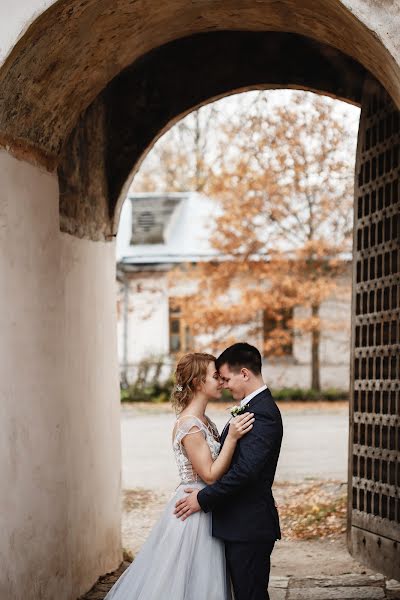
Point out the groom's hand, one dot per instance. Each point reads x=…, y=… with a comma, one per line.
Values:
x=188, y=505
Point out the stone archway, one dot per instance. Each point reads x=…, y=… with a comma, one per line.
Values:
x=75, y=48
x=63, y=92
x=154, y=92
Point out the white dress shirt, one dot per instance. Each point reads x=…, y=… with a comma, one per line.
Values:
x=247, y=398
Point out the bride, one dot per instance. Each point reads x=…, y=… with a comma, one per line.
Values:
x=180, y=560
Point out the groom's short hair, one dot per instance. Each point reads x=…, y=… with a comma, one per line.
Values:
x=239, y=356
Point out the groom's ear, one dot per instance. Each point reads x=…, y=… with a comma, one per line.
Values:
x=246, y=374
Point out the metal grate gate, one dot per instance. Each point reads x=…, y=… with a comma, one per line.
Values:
x=374, y=457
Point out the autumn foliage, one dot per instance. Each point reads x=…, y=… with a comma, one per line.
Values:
x=281, y=175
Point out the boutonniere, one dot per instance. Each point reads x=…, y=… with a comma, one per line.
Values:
x=237, y=410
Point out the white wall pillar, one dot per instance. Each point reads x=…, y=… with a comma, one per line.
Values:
x=59, y=405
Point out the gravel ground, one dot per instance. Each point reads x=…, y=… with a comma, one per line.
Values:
x=314, y=443
x=327, y=556
x=314, y=452
x=311, y=560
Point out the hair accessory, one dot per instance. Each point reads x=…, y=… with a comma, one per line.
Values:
x=179, y=388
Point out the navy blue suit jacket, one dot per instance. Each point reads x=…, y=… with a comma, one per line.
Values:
x=242, y=504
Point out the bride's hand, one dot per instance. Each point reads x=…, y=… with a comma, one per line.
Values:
x=240, y=425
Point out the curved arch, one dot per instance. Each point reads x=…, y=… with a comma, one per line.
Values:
x=150, y=96
x=116, y=131
x=75, y=48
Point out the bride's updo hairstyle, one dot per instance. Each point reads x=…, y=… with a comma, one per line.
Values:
x=190, y=373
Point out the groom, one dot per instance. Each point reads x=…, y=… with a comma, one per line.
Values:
x=244, y=514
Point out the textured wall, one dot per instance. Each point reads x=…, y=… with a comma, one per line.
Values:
x=84, y=210
x=115, y=132
x=59, y=409
x=75, y=48
x=148, y=335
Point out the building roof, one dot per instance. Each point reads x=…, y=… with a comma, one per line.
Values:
x=165, y=228
x=169, y=228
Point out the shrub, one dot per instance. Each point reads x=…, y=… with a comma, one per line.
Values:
x=309, y=395
x=151, y=392
x=161, y=392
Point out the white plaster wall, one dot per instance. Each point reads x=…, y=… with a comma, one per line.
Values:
x=93, y=444
x=148, y=335
x=281, y=374
x=59, y=409
x=334, y=347
x=148, y=318
x=335, y=339
x=20, y=15
x=120, y=321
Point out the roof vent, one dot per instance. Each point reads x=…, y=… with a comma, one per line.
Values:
x=150, y=218
x=145, y=221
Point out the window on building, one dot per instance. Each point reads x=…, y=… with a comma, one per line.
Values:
x=180, y=336
x=269, y=325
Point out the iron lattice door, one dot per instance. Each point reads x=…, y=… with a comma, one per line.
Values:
x=374, y=457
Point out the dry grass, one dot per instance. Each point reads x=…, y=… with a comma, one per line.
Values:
x=287, y=405
x=307, y=510
x=312, y=510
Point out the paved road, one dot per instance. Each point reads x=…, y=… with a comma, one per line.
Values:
x=314, y=445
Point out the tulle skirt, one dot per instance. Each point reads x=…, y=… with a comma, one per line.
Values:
x=180, y=560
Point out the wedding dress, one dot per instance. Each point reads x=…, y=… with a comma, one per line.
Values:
x=180, y=560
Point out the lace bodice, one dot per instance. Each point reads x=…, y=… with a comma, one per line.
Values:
x=185, y=426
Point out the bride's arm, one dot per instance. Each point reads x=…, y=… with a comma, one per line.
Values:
x=200, y=456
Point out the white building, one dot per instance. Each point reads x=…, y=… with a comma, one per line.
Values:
x=158, y=232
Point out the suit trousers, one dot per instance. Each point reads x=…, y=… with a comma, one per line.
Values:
x=248, y=567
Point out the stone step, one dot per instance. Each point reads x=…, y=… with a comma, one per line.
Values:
x=341, y=587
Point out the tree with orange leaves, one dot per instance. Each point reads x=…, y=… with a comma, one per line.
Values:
x=181, y=159
x=282, y=184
